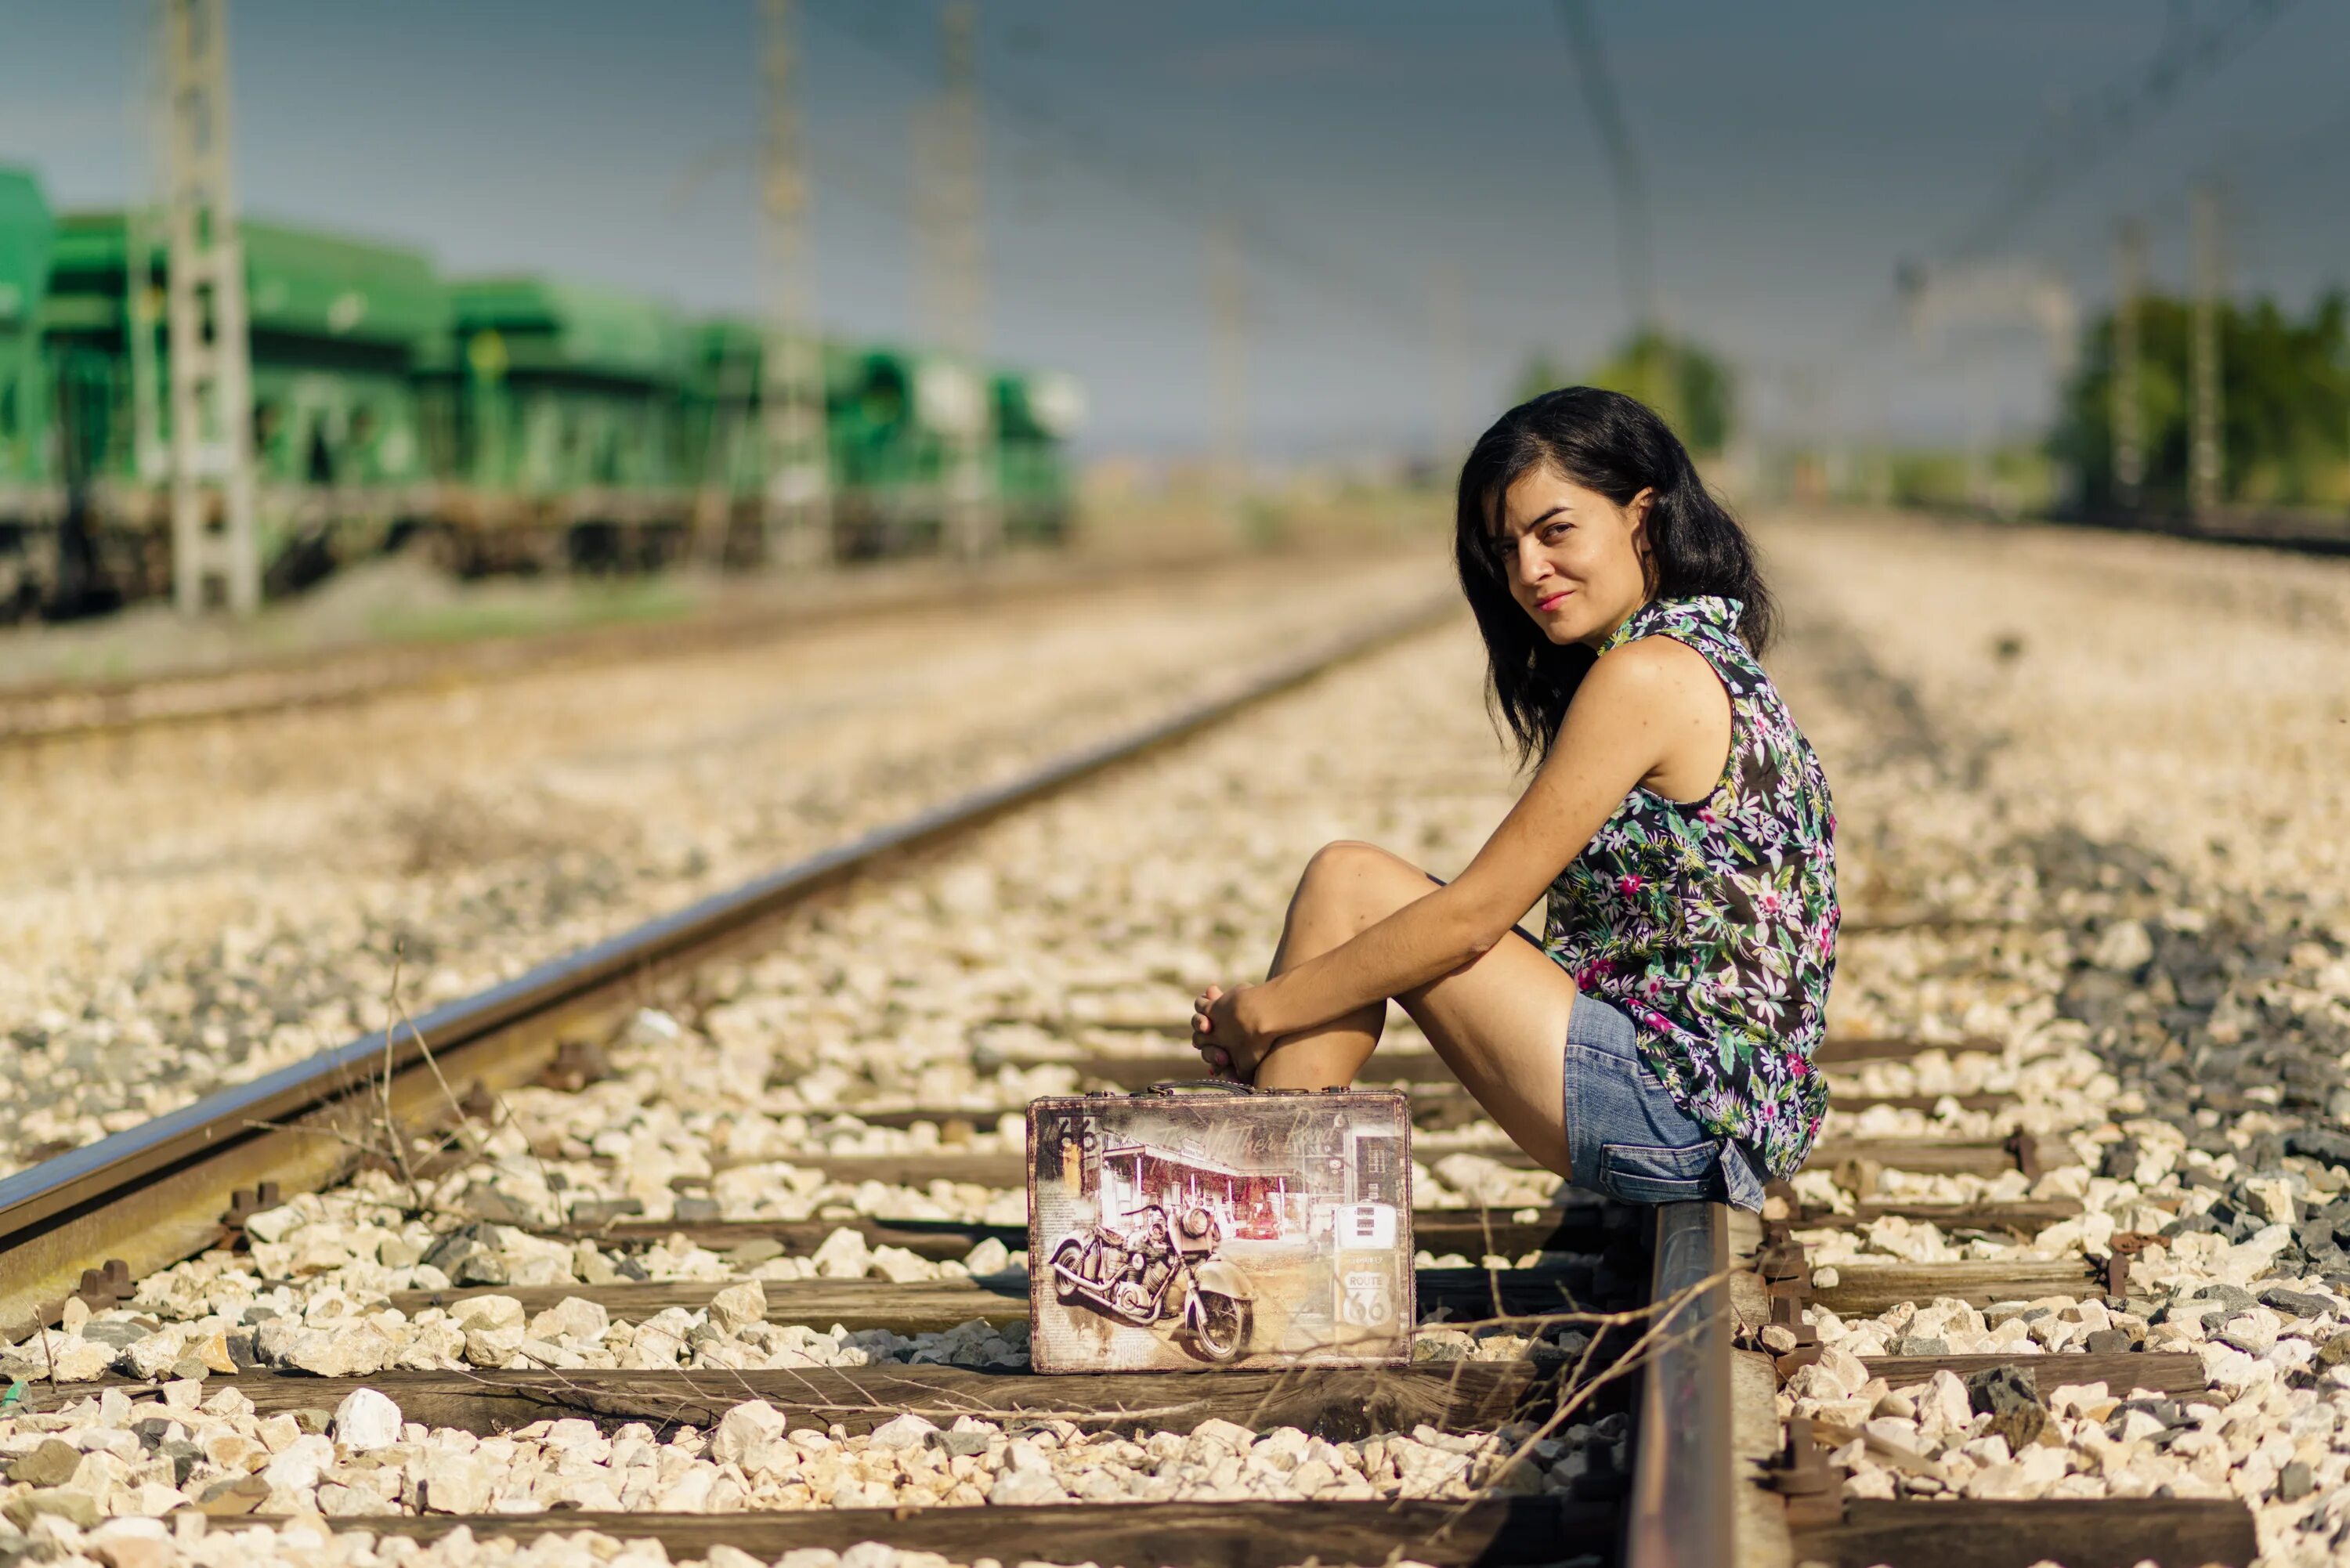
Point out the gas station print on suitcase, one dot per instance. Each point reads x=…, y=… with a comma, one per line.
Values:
x=1177, y=1231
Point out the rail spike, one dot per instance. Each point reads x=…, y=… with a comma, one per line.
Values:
x=107, y=1287
x=1813, y=1486
x=243, y=1205
x=576, y=1065
x=1787, y=1312
x=2126, y=1245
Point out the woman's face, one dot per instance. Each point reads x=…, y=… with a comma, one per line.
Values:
x=1576, y=560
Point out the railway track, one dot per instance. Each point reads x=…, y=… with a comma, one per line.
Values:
x=2308, y=533
x=34, y=711
x=1594, y=1383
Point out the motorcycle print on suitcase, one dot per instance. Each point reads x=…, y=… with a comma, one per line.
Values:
x=1178, y=1228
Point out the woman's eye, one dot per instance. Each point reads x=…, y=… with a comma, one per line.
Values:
x=1553, y=532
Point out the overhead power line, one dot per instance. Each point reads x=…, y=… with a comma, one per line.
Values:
x=2072, y=142
x=1633, y=258
x=1175, y=192
x=2120, y=109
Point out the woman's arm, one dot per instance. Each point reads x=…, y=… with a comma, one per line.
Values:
x=1641, y=707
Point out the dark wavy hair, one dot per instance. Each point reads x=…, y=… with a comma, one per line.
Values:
x=1618, y=446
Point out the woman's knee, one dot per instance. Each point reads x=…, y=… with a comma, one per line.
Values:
x=1362, y=877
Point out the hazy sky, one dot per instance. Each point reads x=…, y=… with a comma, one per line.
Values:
x=1795, y=153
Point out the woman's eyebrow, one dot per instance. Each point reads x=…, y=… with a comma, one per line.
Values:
x=1503, y=528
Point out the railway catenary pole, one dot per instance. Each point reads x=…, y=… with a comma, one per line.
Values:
x=2206, y=459
x=960, y=404
x=2128, y=413
x=1635, y=257
x=1448, y=325
x=151, y=113
x=214, y=543
x=796, y=510
x=1227, y=289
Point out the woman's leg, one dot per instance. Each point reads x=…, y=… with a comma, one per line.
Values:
x=1340, y=882
x=1500, y=1023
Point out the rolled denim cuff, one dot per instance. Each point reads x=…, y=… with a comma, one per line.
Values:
x=1741, y=1183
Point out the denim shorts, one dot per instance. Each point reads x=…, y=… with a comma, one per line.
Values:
x=1627, y=1137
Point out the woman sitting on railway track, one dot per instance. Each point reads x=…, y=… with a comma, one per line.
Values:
x=1678, y=819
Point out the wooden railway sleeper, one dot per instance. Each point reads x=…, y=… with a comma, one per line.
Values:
x=594, y=1214
x=1813, y=1486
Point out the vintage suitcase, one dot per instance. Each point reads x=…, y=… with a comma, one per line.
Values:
x=1198, y=1225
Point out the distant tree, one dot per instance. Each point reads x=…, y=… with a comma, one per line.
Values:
x=1684, y=383
x=1542, y=374
x=2284, y=393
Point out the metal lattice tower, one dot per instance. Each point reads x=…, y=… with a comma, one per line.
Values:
x=954, y=279
x=150, y=114
x=2207, y=462
x=2128, y=413
x=1448, y=327
x=796, y=510
x=213, y=544
x=1944, y=301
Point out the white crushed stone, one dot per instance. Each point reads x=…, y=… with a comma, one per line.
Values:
x=1065, y=931
x=157, y=954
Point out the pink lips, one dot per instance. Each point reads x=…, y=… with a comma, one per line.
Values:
x=1554, y=601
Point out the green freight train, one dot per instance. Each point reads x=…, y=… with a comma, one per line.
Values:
x=504, y=423
x=26, y=491
x=338, y=443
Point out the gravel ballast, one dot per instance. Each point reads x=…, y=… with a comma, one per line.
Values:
x=190, y=907
x=2050, y=838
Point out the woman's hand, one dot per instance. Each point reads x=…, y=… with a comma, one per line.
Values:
x=1225, y=1043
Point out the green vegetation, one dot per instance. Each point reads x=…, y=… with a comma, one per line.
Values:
x=1688, y=386
x=1542, y=374
x=583, y=604
x=2284, y=402
x=1684, y=383
x=2009, y=481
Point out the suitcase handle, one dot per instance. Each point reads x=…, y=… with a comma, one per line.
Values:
x=1200, y=1086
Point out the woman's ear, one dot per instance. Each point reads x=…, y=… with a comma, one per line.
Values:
x=1638, y=509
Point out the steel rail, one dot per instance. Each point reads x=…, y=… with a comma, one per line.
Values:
x=1682, y=1510
x=37, y=712
x=156, y=1193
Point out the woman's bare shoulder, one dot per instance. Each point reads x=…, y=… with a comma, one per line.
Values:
x=1656, y=669
x=1666, y=700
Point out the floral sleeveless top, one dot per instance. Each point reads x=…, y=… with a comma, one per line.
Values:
x=1712, y=924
